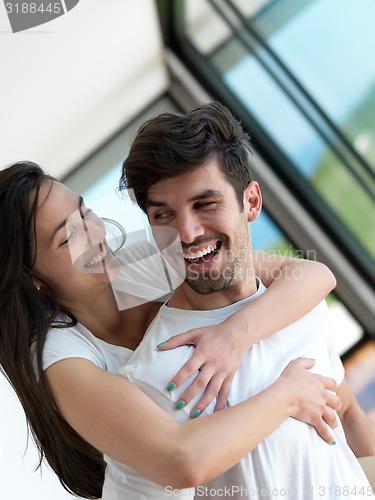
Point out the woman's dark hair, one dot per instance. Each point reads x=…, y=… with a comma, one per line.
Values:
x=26, y=315
x=169, y=145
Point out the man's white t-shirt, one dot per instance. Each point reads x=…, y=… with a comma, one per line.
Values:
x=293, y=462
x=286, y=464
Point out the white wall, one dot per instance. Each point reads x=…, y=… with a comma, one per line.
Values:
x=67, y=85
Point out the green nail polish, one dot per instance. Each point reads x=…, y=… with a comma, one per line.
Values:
x=180, y=405
x=333, y=442
x=161, y=343
x=195, y=413
x=171, y=386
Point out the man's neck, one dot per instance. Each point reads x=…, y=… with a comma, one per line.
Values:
x=185, y=297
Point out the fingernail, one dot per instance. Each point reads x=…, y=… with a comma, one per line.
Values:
x=333, y=442
x=180, y=405
x=161, y=343
x=313, y=359
x=195, y=413
x=171, y=386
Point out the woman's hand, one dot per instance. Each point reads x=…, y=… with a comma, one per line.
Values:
x=219, y=351
x=314, y=403
x=221, y=348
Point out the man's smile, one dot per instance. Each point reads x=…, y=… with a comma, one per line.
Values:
x=193, y=255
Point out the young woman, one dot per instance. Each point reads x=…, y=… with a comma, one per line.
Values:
x=76, y=408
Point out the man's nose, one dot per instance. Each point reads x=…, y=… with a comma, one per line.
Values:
x=189, y=227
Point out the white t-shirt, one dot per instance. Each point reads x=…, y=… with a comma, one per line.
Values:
x=293, y=462
x=151, y=370
x=144, y=275
x=78, y=342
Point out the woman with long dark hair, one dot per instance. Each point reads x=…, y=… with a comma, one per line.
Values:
x=42, y=293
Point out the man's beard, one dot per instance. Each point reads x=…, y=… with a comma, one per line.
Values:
x=215, y=280
x=234, y=270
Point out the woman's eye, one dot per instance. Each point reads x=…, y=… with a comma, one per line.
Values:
x=69, y=238
x=86, y=212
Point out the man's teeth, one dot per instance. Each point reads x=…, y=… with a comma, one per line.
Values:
x=98, y=258
x=200, y=253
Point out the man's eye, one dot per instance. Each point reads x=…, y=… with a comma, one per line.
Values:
x=205, y=204
x=162, y=215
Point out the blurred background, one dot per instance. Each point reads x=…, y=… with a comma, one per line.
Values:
x=300, y=76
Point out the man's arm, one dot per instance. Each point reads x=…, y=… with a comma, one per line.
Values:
x=359, y=429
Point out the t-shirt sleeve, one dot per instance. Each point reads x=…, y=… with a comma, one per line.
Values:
x=65, y=343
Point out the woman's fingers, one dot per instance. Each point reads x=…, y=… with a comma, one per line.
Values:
x=186, y=338
x=333, y=401
x=329, y=383
x=193, y=365
x=324, y=431
x=223, y=395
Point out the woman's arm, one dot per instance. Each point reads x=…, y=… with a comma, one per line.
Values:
x=121, y=421
x=295, y=287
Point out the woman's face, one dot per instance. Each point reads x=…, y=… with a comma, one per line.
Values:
x=71, y=255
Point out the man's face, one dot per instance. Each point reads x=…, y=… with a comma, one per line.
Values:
x=202, y=206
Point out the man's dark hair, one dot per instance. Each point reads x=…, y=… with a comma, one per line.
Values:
x=169, y=145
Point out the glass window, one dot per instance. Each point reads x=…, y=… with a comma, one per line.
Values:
x=360, y=374
x=304, y=147
x=301, y=73
x=266, y=235
x=333, y=60
x=105, y=200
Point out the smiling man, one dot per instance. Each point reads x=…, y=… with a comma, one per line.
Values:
x=214, y=232
x=191, y=173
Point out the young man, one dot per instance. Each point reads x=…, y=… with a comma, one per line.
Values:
x=192, y=173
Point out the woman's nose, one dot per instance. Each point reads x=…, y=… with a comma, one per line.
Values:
x=189, y=227
x=95, y=232
x=84, y=233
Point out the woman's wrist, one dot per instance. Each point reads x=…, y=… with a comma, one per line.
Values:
x=249, y=316
x=286, y=396
x=290, y=391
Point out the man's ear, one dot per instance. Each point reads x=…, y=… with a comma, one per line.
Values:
x=252, y=201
